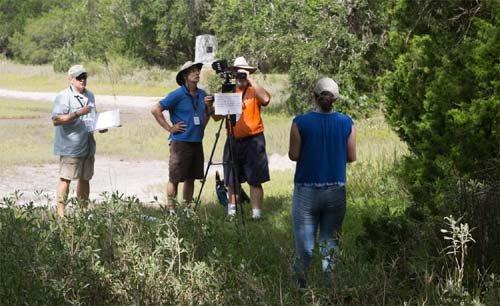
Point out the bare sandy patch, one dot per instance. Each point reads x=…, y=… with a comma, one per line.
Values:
x=139, y=178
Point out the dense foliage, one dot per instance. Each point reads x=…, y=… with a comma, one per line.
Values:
x=443, y=95
x=443, y=99
x=157, y=32
x=307, y=39
x=124, y=252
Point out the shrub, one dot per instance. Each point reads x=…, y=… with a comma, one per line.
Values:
x=309, y=40
x=64, y=58
x=123, y=253
x=443, y=99
x=42, y=36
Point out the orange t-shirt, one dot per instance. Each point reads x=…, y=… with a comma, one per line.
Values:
x=250, y=122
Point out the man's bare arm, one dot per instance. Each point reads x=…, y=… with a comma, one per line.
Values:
x=261, y=93
x=63, y=119
x=157, y=112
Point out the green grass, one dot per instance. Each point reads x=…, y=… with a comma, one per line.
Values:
x=121, y=81
x=143, y=137
x=25, y=144
x=376, y=142
x=121, y=257
x=139, y=82
x=96, y=85
x=140, y=137
x=15, y=109
x=122, y=251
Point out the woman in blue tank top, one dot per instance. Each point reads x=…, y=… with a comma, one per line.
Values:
x=322, y=142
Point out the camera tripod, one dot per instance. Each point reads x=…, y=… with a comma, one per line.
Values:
x=232, y=165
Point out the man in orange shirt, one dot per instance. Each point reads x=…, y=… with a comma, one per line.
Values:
x=249, y=143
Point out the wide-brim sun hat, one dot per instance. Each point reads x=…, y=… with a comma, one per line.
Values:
x=241, y=63
x=328, y=85
x=180, y=78
x=76, y=71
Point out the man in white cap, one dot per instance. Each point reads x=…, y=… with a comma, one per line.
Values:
x=189, y=108
x=73, y=116
x=249, y=143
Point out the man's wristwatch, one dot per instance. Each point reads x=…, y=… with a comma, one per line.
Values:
x=75, y=115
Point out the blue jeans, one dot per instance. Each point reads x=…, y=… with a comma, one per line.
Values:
x=312, y=208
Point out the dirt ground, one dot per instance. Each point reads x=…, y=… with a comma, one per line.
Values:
x=144, y=179
x=107, y=100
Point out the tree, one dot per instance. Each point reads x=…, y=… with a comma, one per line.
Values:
x=42, y=36
x=307, y=39
x=442, y=98
x=177, y=23
x=14, y=14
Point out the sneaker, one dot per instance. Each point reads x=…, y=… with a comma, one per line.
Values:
x=231, y=210
x=256, y=213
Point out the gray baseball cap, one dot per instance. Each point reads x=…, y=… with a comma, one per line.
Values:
x=76, y=70
x=328, y=85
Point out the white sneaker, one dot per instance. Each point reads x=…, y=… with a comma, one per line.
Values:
x=231, y=210
x=256, y=213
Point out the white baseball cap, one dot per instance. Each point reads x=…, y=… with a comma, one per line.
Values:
x=241, y=63
x=328, y=85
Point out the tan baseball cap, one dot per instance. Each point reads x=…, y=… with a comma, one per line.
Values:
x=76, y=70
x=328, y=85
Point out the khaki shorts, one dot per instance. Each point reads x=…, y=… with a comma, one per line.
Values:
x=76, y=168
x=186, y=161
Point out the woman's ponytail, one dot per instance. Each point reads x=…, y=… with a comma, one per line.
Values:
x=325, y=103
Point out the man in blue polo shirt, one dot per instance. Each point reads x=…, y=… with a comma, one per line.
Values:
x=189, y=108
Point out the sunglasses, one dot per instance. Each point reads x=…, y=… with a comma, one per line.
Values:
x=81, y=77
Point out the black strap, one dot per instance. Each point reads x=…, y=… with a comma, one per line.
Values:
x=76, y=96
x=194, y=101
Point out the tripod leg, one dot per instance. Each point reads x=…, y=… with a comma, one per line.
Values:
x=236, y=184
x=217, y=135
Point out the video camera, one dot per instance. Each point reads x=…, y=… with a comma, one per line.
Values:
x=225, y=72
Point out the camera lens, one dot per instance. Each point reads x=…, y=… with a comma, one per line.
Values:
x=219, y=66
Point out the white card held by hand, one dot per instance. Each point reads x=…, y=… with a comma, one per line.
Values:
x=107, y=120
x=227, y=103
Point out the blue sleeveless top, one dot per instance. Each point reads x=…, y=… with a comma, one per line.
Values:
x=323, y=152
